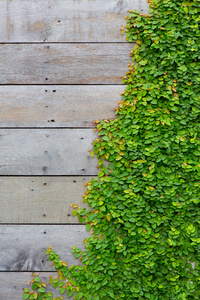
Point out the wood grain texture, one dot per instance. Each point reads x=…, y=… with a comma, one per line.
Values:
x=63, y=63
x=40, y=199
x=65, y=21
x=57, y=106
x=46, y=152
x=22, y=247
x=13, y=283
x=37, y=200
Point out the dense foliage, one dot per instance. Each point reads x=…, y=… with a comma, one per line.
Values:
x=145, y=215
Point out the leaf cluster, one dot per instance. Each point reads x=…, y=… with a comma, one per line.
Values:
x=145, y=203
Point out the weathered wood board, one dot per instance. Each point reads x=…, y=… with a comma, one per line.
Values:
x=65, y=21
x=40, y=199
x=22, y=247
x=63, y=63
x=47, y=152
x=13, y=283
x=57, y=106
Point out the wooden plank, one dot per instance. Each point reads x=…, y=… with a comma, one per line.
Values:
x=13, y=283
x=65, y=21
x=22, y=246
x=46, y=152
x=57, y=106
x=40, y=199
x=63, y=63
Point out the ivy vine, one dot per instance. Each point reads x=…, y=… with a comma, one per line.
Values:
x=145, y=205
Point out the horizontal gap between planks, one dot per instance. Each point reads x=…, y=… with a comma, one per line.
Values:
x=44, y=43
x=48, y=175
x=36, y=272
x=54, y=128
x=60, y=84
x=42, y=224
x=63, y=84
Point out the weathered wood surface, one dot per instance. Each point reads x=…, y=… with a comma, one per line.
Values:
x=40, y=199
x=65, y=21
x=22, y=247
x=63, y=63
x=13, y=283
x=66, y=106
x=78, y=26
x=46, y=152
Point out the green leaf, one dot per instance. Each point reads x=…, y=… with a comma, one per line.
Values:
x=35, y=295
x=74, y=213
x=89, y=285
x=62, y=290
x=88, y=227
x=77, y=255
x=92, y=154
x=101, y=174
x=41, y=290
x=70, y=293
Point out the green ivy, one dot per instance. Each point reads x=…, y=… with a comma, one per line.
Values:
x=145, y=212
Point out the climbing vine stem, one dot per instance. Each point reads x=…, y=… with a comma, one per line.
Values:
x=145, y=205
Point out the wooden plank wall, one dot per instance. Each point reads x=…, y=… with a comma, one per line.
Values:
x=60, y=67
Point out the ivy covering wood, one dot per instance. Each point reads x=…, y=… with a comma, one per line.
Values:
x=145, y=216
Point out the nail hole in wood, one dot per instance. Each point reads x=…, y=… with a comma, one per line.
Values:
x=32, y=190
x=45, y=232
x=68, y=215
x=54, y=91
x=45, y=183
x=42, y=261
x=59, y=21
x=44, y=215
x=83, y=169
x=46, y=106
x=52, y=120
x=44, y=168
x=74, y=180
x=45, y=90
x=46, y=78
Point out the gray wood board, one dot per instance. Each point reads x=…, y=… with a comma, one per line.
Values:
x=63, y=63
x=47, y=152
x=57, y=106
x=40, y=199
x=65, y=21
x=13, y=283
x=22, y=247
